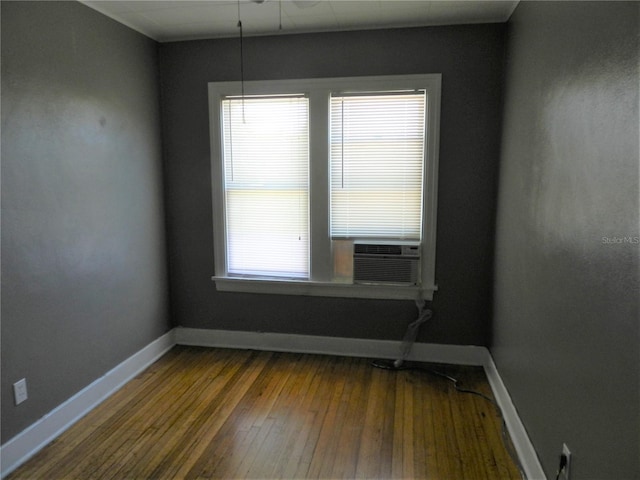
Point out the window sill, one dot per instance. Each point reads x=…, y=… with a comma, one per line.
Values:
x=323, y=289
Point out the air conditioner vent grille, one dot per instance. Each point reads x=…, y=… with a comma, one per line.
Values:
x=386, y=263
x=376, y=249
x=385, y=270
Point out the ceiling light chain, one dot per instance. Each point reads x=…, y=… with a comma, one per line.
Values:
x=241, y=63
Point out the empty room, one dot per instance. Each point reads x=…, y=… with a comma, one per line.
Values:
x=320, y=239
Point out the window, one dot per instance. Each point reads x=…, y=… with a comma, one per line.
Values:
x=377, y=155
x=303, y=169
x=266, y=185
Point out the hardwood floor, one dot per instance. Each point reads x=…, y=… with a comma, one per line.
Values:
x=202, y=413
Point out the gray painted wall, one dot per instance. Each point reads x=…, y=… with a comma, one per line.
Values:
x=470, y=60
x=83, y=250
x=566, y=330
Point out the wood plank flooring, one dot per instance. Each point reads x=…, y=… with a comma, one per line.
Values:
x=201, y=413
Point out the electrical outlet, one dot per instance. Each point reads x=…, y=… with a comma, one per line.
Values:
x=566, y=472
x=20, y=391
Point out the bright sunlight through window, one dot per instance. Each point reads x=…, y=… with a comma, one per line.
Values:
x=326, y=186
x=266, y=164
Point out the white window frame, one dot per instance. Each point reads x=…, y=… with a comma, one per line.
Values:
x=321, y=281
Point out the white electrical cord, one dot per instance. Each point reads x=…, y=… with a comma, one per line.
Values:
x=411, y=334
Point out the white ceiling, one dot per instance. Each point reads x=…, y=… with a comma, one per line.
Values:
x=165, y=20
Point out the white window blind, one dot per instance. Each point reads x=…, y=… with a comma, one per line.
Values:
x=376, y=161
x=266, y=185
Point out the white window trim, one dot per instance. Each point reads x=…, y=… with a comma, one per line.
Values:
x=318, y=91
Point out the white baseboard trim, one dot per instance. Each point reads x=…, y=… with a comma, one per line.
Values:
x=529, y=461
x=368, y=348
x=28, y=442
x=348, y=347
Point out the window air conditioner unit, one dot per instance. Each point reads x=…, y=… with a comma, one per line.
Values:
x=376, y=261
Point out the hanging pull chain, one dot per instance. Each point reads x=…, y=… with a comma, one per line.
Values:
x=241, y=62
